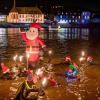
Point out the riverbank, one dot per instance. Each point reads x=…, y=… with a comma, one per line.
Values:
x=46, y=25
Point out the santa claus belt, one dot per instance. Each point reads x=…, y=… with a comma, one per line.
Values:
x=31, y=52
x=32, y=46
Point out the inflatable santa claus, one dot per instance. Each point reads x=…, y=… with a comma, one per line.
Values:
x=33, y=42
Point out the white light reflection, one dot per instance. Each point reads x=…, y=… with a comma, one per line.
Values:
x=44, y=82
x=3, y=37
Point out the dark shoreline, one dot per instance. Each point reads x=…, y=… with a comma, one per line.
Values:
x=46, y=25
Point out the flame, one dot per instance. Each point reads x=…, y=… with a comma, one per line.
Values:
x=39, y=72
x=44, y=81
x=15, y=57
x=81, y=59
x=50, y=52
x=83, y=53
x=27, y=55
x=20, y=58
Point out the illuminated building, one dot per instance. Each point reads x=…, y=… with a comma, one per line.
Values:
x=74, y=17
x=85, y=17
x=3, y=37
x=3, y=18
x=25, y=15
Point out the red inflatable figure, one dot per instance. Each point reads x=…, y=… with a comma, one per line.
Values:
x=5, y=68
x=33, y=42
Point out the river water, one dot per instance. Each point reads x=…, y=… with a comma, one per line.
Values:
x=64, y=41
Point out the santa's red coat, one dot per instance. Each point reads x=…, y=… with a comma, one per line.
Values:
x=33, y=47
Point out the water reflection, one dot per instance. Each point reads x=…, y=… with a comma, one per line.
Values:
x=3, y=37
x=85, y=34
x=69, y=33
x=11, y=36
x=63, y=41
x=64, y=37
x=14, y=38
x=73, y=33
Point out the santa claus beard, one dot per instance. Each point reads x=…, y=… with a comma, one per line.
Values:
x=32, y=33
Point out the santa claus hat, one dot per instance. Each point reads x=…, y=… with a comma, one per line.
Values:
x=5, y=69
x=68, y=58
x=36, y=25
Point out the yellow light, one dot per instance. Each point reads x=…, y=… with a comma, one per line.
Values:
x=44, y=82
x=15, y=57
x=81, y=59
x=20, y=58
x=39, y=72
x=27, y=55
x=50, y=52
x=83, y=53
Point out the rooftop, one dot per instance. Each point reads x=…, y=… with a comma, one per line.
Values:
x=27, y=10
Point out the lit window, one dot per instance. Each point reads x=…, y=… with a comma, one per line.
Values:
x=60, y=16
x=76, y=20
x=69, y=21
x=85, y=17
x=79, y=17
x=83, y=21
x=88, y=17
x=72, y=16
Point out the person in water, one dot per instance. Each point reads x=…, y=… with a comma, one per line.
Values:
x=72, y=71
x=30, y=85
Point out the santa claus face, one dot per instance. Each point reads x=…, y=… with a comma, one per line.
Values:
x=32, y=33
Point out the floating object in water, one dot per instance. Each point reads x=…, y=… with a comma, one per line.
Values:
x=44, y=82
x=68, y=58
x=71, y=79
x=71, y=75
x=89, y=59
x=13, y=89
x=72, y=72
x=75, y=73
x=81, y=59
x=28, y=94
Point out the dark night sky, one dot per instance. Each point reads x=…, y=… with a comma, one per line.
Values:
x=79, y=4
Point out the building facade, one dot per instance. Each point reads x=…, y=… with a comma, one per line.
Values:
x=25, y=15
x=3, y=18
x=74, y=17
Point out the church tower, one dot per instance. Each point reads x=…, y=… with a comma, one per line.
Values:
x=13, y=15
